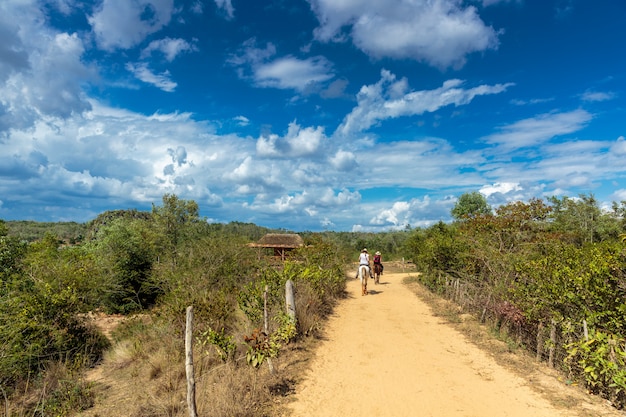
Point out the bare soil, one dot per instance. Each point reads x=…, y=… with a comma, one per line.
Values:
x=388, y=354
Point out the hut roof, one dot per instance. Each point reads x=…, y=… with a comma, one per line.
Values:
x=279, y=240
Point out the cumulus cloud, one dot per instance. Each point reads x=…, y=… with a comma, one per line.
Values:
x=41, y=70
x=343, y=160
x=441, y=33
x=13, y=54
x=308, y=201
x=388, y=99
x=179, y=155
x=298, y=142
x=500, y=187
x=122, y=24
x=395, y=215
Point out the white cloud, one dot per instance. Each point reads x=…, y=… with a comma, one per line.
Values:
x=307, y=200
x=441, y=32
x=597, y=96
x=619, y=147
x=539, y=129
x=170, y=48
x=298, y=142
x=227, y=6
x=387, y=99
x=619, y=195
x=293, y=73
x=492, y=2
x=343, y=161
x=396, y=215
x=242, y=120
x=123, y=24
x=162, y=81
x=287, y=72
x=41, y=70
x=13, y=51
x=500, y=187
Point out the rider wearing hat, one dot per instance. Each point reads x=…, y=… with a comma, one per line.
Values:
x=378, y=261
x=364, y=259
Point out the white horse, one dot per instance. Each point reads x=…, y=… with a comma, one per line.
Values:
x=364, y=273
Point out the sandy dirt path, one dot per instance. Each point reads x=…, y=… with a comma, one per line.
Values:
x=386, y=354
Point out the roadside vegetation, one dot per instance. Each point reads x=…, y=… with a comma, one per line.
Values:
x=547, y=275
x=144, y=269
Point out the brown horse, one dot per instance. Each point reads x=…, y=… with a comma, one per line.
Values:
x=364, y=273
x=378, y=269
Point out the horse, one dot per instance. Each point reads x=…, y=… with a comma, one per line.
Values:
x=378, y=269
x=363, y=275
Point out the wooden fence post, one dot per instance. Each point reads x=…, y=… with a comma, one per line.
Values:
x=191, y=383
x=290, y=299
x=266, y=326
x=552, y=344
x=539, y=340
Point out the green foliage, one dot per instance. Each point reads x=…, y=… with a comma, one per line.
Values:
x=224, y=345
x=262, y=346
x=11, y=253
x=108, y=217
x=43, y=309
x=601, y=363
x=438, y=248
x=470, y=205
x=125, y=253
x=71, y=233
x=582, y=220
x=575, y=282
x=209, y=273
x=172, y=221
x=561, y=263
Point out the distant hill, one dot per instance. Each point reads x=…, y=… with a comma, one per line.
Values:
x=30, y=231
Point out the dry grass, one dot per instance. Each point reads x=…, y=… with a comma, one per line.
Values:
x=144, y=373
x=155, y=384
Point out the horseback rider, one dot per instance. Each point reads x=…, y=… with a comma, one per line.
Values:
x=364, y=259
x=378, y=261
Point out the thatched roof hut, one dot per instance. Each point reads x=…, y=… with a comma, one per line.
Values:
x=281, y=243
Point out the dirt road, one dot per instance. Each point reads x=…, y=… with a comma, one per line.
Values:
x=386, y=354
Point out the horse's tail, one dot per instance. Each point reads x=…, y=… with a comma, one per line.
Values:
x=363, y=272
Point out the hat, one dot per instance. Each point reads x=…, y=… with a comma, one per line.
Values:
x=364, y=250
x=377, y=253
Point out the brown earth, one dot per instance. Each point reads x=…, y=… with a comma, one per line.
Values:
x=388, y=354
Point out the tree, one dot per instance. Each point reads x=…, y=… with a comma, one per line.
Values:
x=470, y=205
x=172, y=220
x=582, y=219
x=125, y=253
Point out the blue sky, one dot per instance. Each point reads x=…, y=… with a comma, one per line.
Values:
x=364, y=115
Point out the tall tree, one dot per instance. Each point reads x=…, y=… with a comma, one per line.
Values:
x=470, y=205
x=172, y=218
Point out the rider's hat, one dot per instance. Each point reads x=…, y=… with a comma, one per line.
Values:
x=377, y=253
x=364, y=250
